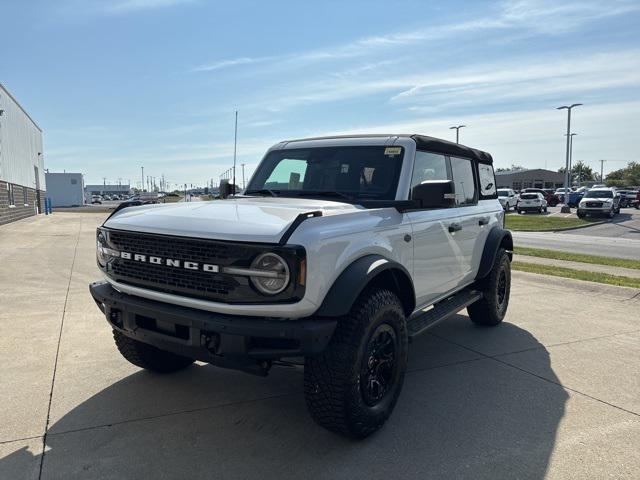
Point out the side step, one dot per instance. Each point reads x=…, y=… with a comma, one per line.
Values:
x=421, y=322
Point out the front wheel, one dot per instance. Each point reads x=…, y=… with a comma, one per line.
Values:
x=495, y=287
x=149, y=357
x=352, y=387
x=581, y=214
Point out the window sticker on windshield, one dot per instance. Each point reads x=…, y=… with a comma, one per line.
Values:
x=392, y=150
x=344, y=168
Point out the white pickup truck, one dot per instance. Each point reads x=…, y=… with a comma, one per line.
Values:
x=340, y=251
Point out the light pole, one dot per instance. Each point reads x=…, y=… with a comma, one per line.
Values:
x=244, y=185
x=565, y=207
x=457, y=129
x=571, y=158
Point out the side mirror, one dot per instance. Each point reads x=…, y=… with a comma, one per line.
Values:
x=433, y=194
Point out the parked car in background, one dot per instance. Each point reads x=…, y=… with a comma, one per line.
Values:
x=548, y=197
x=96, y=199
x=600, y=201
x=552, y=200
x=531, y=202
x=629, y=198
x=508, y=198
x=574, y=197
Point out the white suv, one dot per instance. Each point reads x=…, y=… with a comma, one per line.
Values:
x=531, y=202
x=600, y=201
x=508, y=198
x=340, y=251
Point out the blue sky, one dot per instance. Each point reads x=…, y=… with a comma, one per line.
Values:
x=124, y=83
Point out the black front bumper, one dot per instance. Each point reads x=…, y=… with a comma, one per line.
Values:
x=232, y=341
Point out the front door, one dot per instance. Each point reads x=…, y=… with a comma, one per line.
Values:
x=436, y=269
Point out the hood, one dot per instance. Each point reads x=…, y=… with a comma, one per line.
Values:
x=254, y=219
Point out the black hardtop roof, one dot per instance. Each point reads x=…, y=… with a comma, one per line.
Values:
x=423, y=142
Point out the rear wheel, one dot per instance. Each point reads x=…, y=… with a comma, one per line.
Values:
x=149, y=357
x=352, y=387
x=495, y=287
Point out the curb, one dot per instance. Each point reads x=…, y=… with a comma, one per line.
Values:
x=562, y=229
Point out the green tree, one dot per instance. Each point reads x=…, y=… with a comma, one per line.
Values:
x=580, y=173
x=513, y=167
x=630, y=175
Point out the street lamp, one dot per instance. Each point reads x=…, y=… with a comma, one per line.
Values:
x=457, y=129
x=571, y=157
x=565, y=208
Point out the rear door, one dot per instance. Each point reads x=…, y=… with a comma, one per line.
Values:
x=468, y=218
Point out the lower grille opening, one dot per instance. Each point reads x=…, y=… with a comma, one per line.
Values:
x=164, y=328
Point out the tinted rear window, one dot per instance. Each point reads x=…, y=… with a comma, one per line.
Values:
x=529, y=196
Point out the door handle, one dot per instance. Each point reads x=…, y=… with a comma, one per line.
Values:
x=483, y=221
x=455, y=227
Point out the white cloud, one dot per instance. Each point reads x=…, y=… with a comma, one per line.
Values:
x=124, y=6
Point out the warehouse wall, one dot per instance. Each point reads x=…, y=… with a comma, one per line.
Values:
x=20, y=209
x=20, y=143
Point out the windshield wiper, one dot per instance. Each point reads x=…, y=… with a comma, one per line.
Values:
x=323, y=193
x=262, y=191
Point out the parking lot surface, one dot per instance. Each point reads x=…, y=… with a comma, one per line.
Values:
x=553, y=392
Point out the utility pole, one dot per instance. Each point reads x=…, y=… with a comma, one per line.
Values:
x=565, y=207
x=457, y=129
x=142, y=183
x=243, y=184
x=235, y=144
x=602, y=170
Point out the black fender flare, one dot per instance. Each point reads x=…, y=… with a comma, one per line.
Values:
x=361, y=273
x=497, y=238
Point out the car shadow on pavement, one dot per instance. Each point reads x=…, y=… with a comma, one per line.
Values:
x=461, y=415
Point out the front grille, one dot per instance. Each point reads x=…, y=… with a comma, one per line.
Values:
x=194, y=283
x=594, y=204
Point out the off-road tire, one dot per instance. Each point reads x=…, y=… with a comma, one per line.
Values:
x=334, y=381
x=149, y=357
x=492, y=307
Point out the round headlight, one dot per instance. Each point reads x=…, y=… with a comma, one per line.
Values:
x=101, y=242
x=272, y=273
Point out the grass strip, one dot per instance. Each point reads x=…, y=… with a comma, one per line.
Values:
x=537, y=223
x=578, y=257
x=577, y=274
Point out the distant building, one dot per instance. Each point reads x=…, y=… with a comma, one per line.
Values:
x=106, y=190
x=65, y=189
x=22, y=181
x=534, y=178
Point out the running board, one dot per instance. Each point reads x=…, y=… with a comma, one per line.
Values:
x=421, y=322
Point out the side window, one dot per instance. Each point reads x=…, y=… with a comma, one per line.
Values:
x=288, y=174
x=487, y=181
x=429, y=166
x=25, y=196
x=463, y=181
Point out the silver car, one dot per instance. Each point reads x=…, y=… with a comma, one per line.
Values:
x=600, y=201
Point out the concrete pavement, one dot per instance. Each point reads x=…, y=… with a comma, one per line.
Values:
x=617, y=238
x=554, y=392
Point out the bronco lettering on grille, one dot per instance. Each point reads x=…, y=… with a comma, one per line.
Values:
x=170, y=262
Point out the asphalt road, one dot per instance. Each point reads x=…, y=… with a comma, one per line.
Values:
x=617, y=238
x=553, y=392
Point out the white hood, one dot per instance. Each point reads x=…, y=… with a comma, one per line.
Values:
x=254, y=219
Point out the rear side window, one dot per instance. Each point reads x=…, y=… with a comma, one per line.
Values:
x=487, y=181
x=429, y=166
x=463, y=180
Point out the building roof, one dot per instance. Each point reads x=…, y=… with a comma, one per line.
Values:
x=4, y=89
x=527, y=170
x=423, y=142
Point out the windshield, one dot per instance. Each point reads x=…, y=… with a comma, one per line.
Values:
x=503, y=193
x=342, y=172
x=599, y=194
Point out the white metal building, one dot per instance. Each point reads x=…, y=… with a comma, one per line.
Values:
x=65, y=189
x=22, y=180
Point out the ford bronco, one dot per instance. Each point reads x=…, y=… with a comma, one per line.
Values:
x=339, y=251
